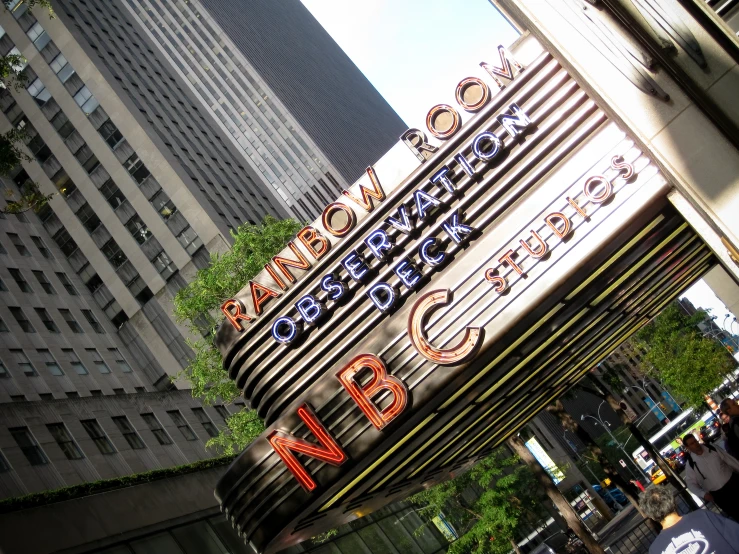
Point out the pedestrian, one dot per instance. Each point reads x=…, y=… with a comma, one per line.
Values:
x=726, y=432
x=712, y=475
x=700, y=531
x=638, y=485
x=730, y=407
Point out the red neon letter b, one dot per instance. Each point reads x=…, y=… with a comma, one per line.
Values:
x=380, y=380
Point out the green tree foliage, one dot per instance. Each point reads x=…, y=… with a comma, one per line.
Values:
x=11, y=142
x=197, y=306
x=487, y=525
x=681, y=358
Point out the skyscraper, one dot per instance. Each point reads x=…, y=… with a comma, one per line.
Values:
x=304, y=116
x=147, y=183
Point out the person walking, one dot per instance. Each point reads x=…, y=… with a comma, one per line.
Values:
x=730, y=407
x=712, y=475
x=700, y=531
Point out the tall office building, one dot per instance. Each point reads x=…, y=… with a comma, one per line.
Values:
x=147, y=183
x=303, y=115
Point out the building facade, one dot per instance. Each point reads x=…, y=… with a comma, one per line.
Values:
x=146, y=184
x=299, y=115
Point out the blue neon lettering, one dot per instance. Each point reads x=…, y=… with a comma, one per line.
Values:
x=427, y=258
x=379, y=243
x=355, y=266
x=408, y=273
x=456, y=230
x=425, y=201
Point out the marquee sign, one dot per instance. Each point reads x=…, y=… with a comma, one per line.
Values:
x=393, y=342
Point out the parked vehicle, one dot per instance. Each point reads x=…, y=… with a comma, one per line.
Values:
x=709, y=433
x=612, y=496
x=561, y=543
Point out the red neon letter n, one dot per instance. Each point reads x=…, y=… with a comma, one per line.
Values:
x=285, y=445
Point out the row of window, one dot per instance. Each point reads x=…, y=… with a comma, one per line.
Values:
x=72, y=451
x=48, y=321
x=53, y=367
x=40, y=276
x=114, y=138
x=22, y=249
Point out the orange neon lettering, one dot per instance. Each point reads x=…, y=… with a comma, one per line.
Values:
x=432, y=116
x=550, y=220
x=507, y=258
x=260, y=295
x=286, y=444
x=376, y=192
x=500, y=283
x=619, y=164
x=603, y=195
x=363, y=395
x=540, y=251
x=417, y=320
x=578, y=209
x=235, y=317
x=282, y=263
x=308, y=236
x=326, y=219
x=272, y=273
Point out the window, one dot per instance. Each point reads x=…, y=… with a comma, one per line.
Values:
x=20, y=280
x=113, y=252
x=22, y=320
x=4, y=373
x=120, y=360
x=65, y=441
x=98, y=360
x=88, y=217
x=3, y=326
x=24, y=363
x=129, y=433
x=189, y=240
x=29, y=446
x=138, y=229
x=153, y=423
x=62, y=68
x=3, y=288
x=39, y=92
x=44, y=282
x=205, y=421
x=92, y=320
x=74, y=361
x=112, y=194
x=65, y=241
x=223, y=412
x=71, y=321
x=110, y=134
x=136, y=168
x=66, y=283
x=46, y=320
x=45, y=252
x=182, y=425
x=98, y=436
x=38, y=36
x=94, y=283
x=51, y=363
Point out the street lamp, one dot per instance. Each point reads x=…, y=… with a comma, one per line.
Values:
x=643, y=388
x=606, y=425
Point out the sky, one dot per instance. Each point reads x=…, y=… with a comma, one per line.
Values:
x=415, y=52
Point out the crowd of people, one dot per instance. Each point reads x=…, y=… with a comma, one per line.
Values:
x=711, y=473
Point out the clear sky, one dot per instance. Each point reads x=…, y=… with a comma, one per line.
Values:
x=416, y=51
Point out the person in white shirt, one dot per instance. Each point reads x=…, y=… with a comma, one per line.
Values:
x=712, y=474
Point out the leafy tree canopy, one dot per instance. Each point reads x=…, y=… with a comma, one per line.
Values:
x=197, y=306
x=11, y=142
x=488, y=525
x=690, y=364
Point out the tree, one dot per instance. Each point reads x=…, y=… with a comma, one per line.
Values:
x=557, y=498
x=11, y=142
x=488, y=524
x=197, y=306
x=681, y=358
